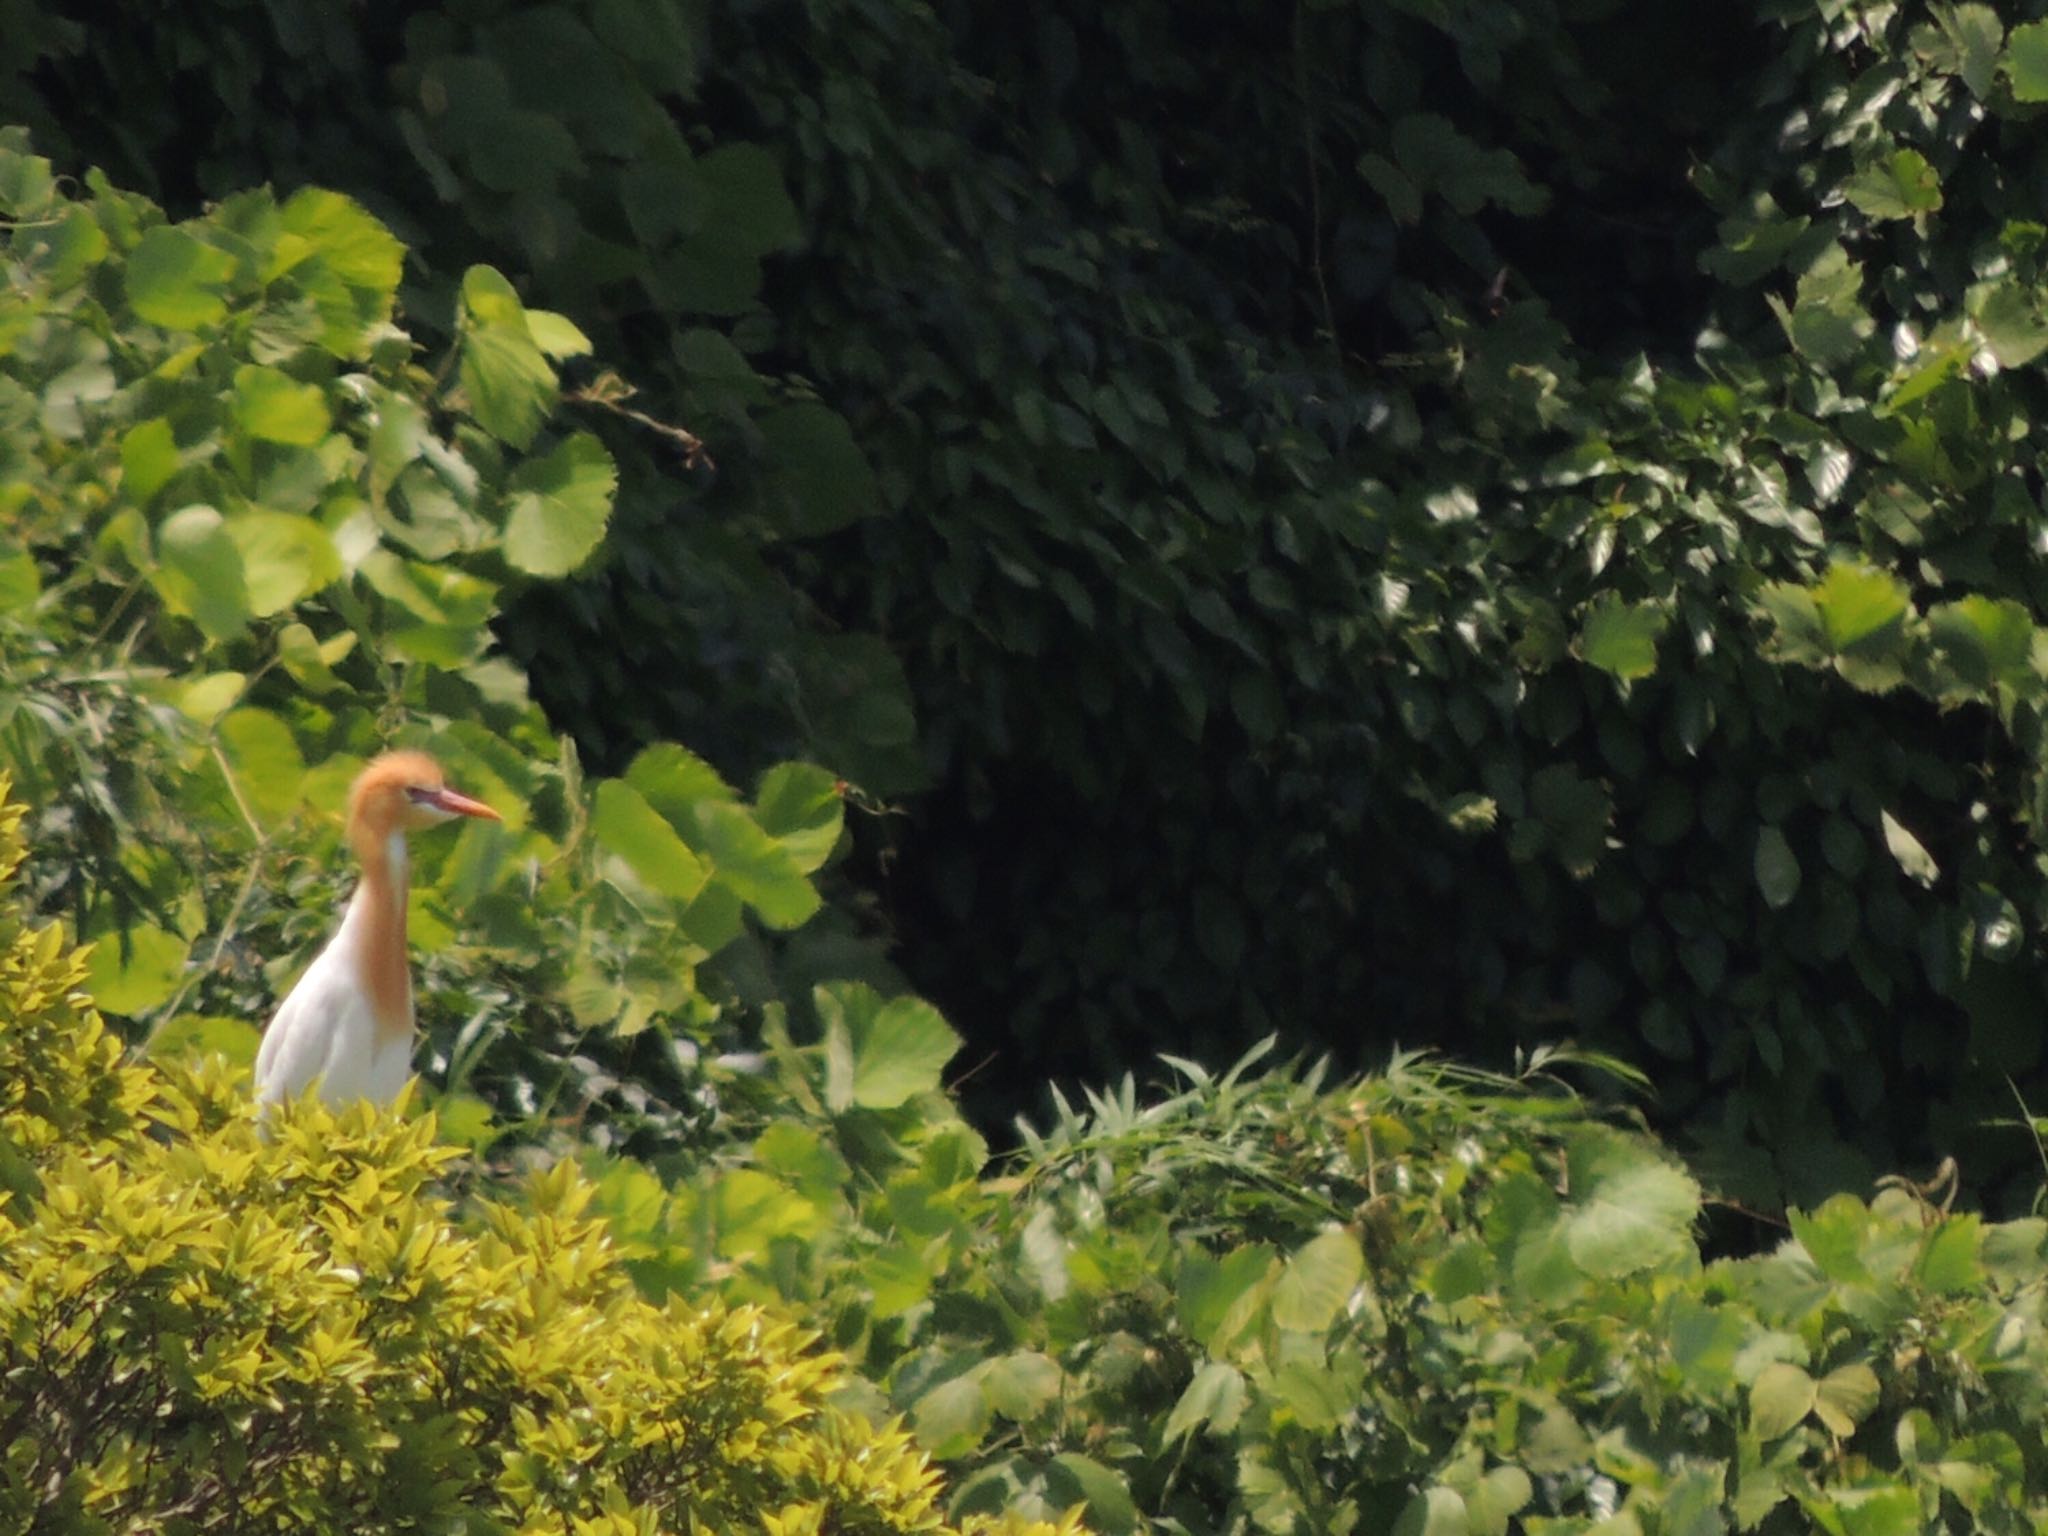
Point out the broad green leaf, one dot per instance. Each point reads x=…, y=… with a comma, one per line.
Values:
x=1110, y=1508
x=1433, y=1512
x=1779, y=1399
x=902, y=1052
x=754, y=865
x=822, y=478
x=560, y=506
x=1901, y=185
x=284, y=558
x=191, y=1036
x=1501, y=1494
x=751, y=1211
x=510, y=386
x=205, y=699
x=275, y=407
x=801, y=806
x=638, y=835
x=1843, y=1398
x=952, y=1417
x=675, y=781
x=1211, y=1292
x=199, y=572
x=310, y=662
x=1777, y=870
x=1213, y=1401
x=133, y=972
x=1948, y=1264
x=149, y=457
x=752, y=208
x=2012, y=323
x=1911, y=853
x=2026, y=61
x=1022, y=1385
x=349, y=239
x=1974, y=36
x=1989, y=642
x=1877, y=1511
x=268, y=766
x=1859, y=604
x=21, y=582
x=1317, y=1282
x=1621, y=638
x=1630, y=1210
x=178, y=281
x=555, y=334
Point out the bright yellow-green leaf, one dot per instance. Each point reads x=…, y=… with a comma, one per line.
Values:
x=1317, y=1282
x=135, y=971
x=178, y=281
x=275, y=407
x=199, y=572
x=633, y=831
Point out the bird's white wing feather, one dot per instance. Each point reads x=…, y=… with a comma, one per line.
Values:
x=324, y=1030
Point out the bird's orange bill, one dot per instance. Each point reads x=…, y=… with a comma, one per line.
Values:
x=456, y=803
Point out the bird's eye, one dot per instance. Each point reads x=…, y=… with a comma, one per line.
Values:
x=420, y=794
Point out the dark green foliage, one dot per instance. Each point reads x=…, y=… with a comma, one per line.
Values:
x=1431, y=527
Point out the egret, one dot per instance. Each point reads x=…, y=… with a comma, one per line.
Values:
x=347, y=1024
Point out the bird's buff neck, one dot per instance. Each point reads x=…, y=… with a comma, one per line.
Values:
x=379, y=906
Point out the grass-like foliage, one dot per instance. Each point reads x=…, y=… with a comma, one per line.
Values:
x=207, y=1327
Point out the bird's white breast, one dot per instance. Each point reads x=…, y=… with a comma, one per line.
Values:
x=325, y=1029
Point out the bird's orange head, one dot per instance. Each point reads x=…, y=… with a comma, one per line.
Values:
x=403, y=792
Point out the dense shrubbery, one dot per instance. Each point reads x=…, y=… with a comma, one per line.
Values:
x=1321, y=615
x=206, y=1327
x=1429, y=1300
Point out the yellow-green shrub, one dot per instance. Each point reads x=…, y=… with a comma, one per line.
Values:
x=205, y=1326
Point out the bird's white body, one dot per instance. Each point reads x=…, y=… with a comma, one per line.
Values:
x=326, y=1030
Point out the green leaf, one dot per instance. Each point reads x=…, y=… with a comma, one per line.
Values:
x=1901, y=185
x=1621, y=638
x=1911, y=853
x=899, y=1050
x=1630, y=1210
x=1989, y=642
x=275, y=407
x=1317, y=1282
x=560, y=505
x=821, y=478
x=1110, y=1508
x=509, y=384
x=556, y=335
x=639, y=836
x=284, y=558
x=952, y=1417
x=754, y=865
x=1892, y=1510
x=21, y=582
x=1859, y=605
x=1502, y=1493
x=1213, y=1293
x=1974, y=36
x=1433, y=1512
x=199, y=572
x=130, y=973
x=801, y=806
x=347, y=237
x=1022, y=1385
x=751, y=209
x=177, y=281
x=1779, y=1399
x=268, y=766
x=149, y=457
x=1948, y=1264
x=191, y=1036
x=1777, y=870
x=1843, y=1398
x=205, y=699
x=2026, y=61
x=1213, y=1401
